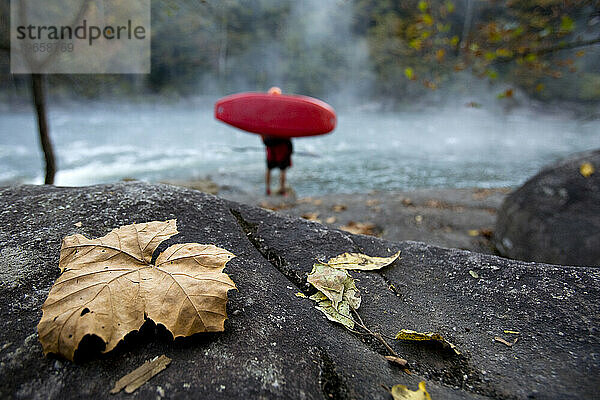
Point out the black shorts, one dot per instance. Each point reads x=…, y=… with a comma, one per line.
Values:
x=283, y=164
x=279, y=153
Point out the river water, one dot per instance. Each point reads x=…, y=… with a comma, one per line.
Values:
x=455, y=146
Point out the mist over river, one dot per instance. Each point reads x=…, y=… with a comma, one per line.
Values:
x=456, y=146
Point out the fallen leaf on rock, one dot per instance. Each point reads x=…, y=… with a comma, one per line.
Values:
x=311, y=216
x=337, y=285
x=406, y=334
x=486, y=233
x=337, y=293
x=505, y=342
x=108, y=287
x=418, y=219
x=359, y=228
x=339, y=207
x=512, y=332
x=586, y=169
x=301, y=295
x=78, y=224
x=401, y=392
x=474, y=274
x=407, y=202
x=397, y=360
x=341, y=315
x=361, y=261
x=432, y=203
x=481, y=194
x=141, y=375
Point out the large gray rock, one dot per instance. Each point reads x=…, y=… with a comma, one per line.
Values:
x=277, y=345
x=555, y=216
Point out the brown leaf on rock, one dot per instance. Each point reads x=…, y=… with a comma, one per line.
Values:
x=331, y=220
x=372, y=202
x=108, y=287
x=397, y=360
x=339, y=207
x=361, y=228
x=136, y=378
x=311, y=216
x=505, y=342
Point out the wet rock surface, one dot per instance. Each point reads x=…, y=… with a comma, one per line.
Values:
x=277, y=345
x=555, y=216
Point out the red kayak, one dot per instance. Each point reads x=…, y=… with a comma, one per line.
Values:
x=277, y=115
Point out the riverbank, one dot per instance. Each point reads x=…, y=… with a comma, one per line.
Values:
x=455, y=218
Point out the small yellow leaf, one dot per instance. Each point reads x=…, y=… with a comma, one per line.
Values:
x=512, y=332
x=567, y=24
x=300, y=294
x=586, y=169
x=406, y=334
x=361, y=262
x=427, y=19
x=401, y=392
x=440, y=54
x=409, y=72
x=473, y=232
x=474, y=274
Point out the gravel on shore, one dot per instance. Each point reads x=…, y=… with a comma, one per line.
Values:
x=455, y=218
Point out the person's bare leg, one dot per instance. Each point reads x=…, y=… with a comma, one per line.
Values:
x=268, y=181
x=282, y=181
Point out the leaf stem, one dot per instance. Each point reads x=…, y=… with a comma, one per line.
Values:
x=376, y=335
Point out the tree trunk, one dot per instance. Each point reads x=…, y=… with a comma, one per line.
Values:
x=39, y=100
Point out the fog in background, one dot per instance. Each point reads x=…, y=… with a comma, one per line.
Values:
x=393, y=133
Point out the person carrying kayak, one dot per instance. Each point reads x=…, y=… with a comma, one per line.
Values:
x=279, y=155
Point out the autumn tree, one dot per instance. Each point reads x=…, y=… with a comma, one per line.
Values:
x=526, y=42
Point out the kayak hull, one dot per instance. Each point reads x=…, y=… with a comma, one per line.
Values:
x=276, y=115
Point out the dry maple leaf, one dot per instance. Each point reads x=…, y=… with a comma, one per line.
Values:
x=108, y=287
